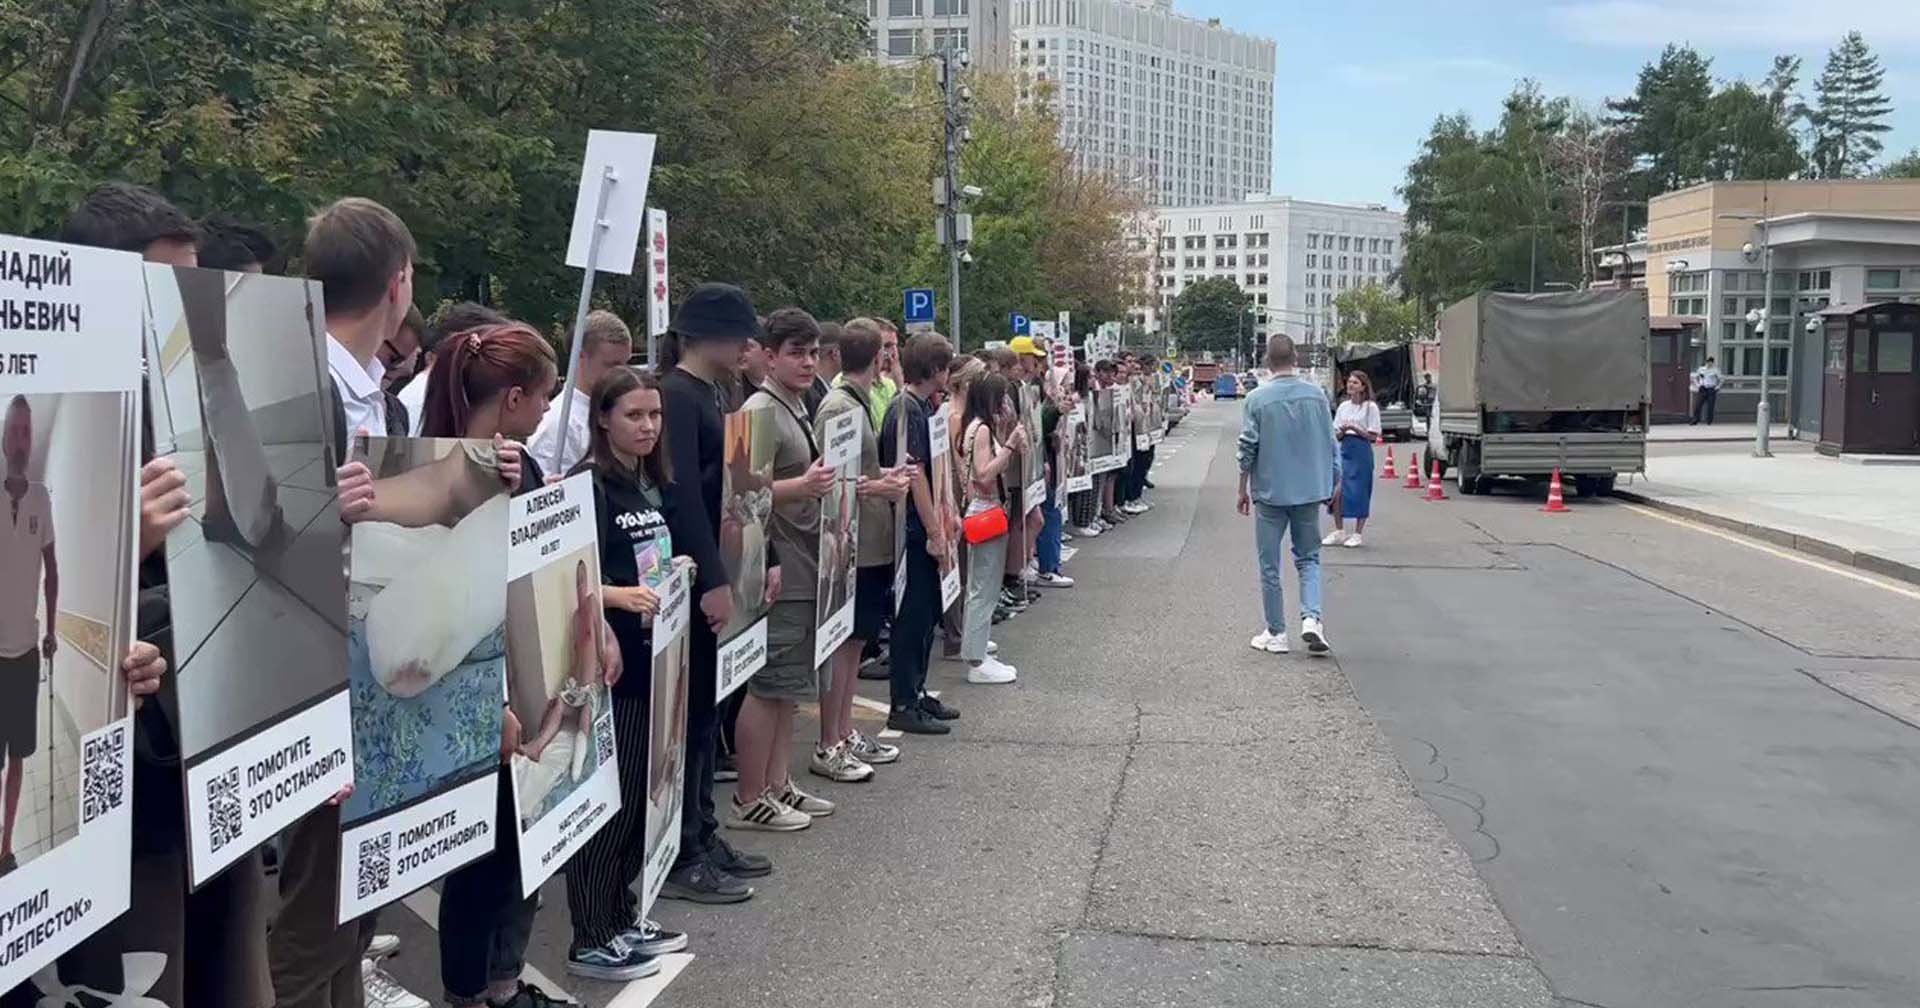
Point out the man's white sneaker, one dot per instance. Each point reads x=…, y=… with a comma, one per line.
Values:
x=993, y=647
x=768, y=813
x=992, y=672
x=871, y=751
x=1315, y=636
x=812, y=805
x=1089, y=531
x=840, y=765
x=1066, y=536
x=1353, y=541
x=382, y=946
x=383, y=991
x=1053, y=580
x=1335, y=538
x=1134, y=509
x=1269, y=642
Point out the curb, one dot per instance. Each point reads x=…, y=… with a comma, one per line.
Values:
x=1870, y=562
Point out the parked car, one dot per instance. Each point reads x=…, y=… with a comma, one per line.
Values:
x=1227, y=386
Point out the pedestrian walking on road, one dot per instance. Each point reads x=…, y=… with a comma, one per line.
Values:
x=1288, y=471
x=1706, y=391
x=1356, y=426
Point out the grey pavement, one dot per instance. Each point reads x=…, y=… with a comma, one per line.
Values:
x=1724, y=432
x=1866, y=516
x=1611, y=758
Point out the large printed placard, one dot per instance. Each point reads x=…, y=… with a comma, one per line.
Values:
x=666, y=728
x=1105, y=452
x=839, y=537
x=426, y=664
x=255, y=579
x=566, y=781
x=70, y=375
x=940, y=444
x=1074, y=468
x=746, y=503
x=1033, y=461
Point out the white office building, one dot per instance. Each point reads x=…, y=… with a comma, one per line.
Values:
x=902, y=31
x=1183, y=107
x=1294, y=257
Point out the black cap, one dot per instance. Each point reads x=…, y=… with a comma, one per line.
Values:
x=716, y=311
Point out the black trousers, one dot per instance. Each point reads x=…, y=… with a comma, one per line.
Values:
x=1703, y=403
x=601, y=874
x=912, y=646
x=698, y=823
x=485, y=923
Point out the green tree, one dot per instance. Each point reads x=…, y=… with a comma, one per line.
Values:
x=1849, y=113
x=1212, y=314
x=1664, y=118
x=1372, y=314
x=1749, y=136
x=1907, y=166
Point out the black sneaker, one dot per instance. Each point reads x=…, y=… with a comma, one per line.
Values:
x=933, y=706
x=1000, y=615
x=880, y=666
x=725, y=771
x=531, y=996
x=736, y=862
x=701, y=882
x=915, y=721
x=1147, y=483
x=653, y=940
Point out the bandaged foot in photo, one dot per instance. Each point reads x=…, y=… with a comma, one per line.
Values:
x=434, y=613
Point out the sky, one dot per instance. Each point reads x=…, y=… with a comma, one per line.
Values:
x=1358, y=83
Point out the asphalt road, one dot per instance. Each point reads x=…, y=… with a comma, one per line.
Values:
x=1601, y=758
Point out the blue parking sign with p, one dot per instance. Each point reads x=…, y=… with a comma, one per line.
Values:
x=919, y=304
x=1020, y=327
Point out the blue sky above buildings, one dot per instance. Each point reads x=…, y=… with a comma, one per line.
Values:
x=1358, y=82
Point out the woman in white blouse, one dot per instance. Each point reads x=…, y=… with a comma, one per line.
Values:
x=1356, y=426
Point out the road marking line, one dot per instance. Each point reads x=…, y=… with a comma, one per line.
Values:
x=425, y=905
x=1799, y=558
x=641, y=993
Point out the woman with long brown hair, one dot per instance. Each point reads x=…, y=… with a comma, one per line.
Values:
x=1356, y=425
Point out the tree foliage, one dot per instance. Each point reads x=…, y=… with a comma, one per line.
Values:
x=787, y=163
x=1849, y=115
x=1211, y=314
x=1904, y=167
x=1372, y=314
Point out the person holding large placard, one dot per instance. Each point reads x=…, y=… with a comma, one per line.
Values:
x=800, y=479
x=929, y=532
x=698, y=355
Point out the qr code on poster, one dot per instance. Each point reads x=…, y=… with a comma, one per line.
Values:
x=603, y=738
x=103, y=778
x=224, y=817
x=376, y=865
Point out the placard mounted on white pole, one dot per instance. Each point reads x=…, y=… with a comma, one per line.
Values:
x=658, y=309
x=629, y=157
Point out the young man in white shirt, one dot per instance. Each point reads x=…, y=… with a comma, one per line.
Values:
x=605, y=344
x=1706, y=391
x=26, y=552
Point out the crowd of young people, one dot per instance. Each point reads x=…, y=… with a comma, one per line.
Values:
x=653, y=439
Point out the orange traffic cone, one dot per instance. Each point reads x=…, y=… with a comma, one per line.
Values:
x=1556, y=500
x=1387, y=472
x=1434, y=493
x=1413, y=474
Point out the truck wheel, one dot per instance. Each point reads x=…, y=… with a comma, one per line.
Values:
x=1594, y=486
x=1466, y=474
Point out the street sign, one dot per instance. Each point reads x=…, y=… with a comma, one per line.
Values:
x=1019, y=324
x=658, y=310
x=1040, y=329
x=1065, y=325
x=918, y=305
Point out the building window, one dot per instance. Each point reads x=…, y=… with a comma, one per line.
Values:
x=1343, y=262
x=1387, y=246
x=1812, y=280
x=911, y=8
x=902, y=41
x=1343, y=243
x=1883, y=279
x=1312, y=260
x=1373, y=244
x=949, y=8
x=1343, y=283
x=1310, y=299
x=1313, y=241
x=949, y=39
x=1310, y=284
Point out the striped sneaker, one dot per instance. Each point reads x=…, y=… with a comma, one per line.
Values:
x=809, y=805
x=768, y=813
x=874, y=752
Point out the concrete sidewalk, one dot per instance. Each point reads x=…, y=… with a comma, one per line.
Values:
x=1726, y=432
x=1864, y=516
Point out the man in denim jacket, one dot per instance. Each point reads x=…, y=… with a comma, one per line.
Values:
x=1289, y=470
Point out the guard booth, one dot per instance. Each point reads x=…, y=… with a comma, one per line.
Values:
x=1674, y=349
x=1870, y=389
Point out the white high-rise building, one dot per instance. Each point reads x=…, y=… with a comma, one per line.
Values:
x=901, y=31
x=1183, y=106
x=1294, y=257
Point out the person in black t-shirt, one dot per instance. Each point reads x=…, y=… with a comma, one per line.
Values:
x=929, y=531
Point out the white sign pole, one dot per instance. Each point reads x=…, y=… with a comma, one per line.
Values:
x=608, y=179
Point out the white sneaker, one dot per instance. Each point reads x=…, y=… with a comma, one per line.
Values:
x=1031, y=570
x=811, y=805
x=871, y=751
x=1053, y=581
x=768, y=813
x=1335, y=538
x=382, y=946
x=1134, y=509
x=383, y=991
x=993, y=647
x=840, y=765
x=992, y=672
x=1270, y=643
x=1353, y=541
x=1066, y=536
x=1088, y=531
x=1315, y=636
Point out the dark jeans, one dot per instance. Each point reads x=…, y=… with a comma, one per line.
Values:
x=484, y=921
x=1046, y=547
x=1703, y=403
x=1133, y=478
x=697, y=821
x=913, y=625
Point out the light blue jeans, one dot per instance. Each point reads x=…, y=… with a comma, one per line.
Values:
x=1302, y=523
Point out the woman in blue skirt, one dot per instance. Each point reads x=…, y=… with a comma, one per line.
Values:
x=1356, y=425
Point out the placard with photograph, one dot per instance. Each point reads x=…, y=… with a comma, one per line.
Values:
x=255, y=580
x=940, y=443
x=746, y=504
x=70, y=336
x=1075, y=468
x=839, y=537
x=426, y=666
x=566, y=782
x=1033, y=461
x=666, y=726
